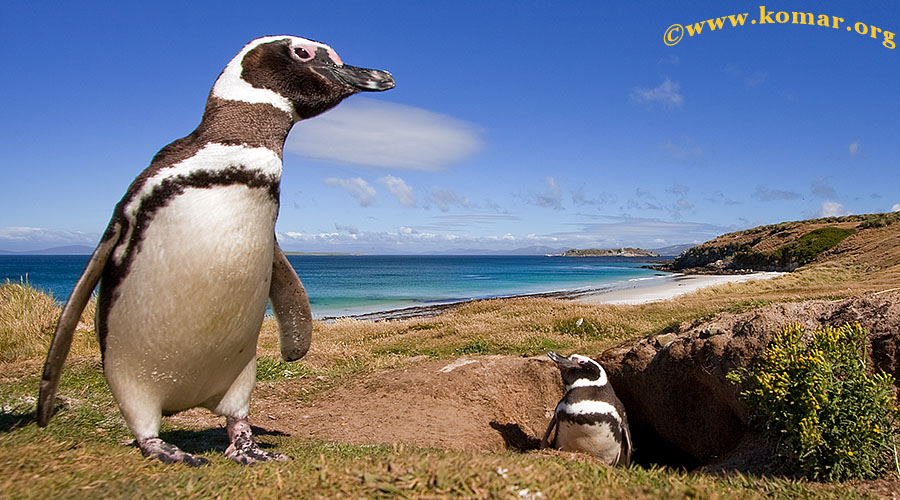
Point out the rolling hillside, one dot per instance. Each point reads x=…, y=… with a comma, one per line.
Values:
x=870, y=242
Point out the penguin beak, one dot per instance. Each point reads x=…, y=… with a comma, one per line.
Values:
x=562, y=362
x=359, y=79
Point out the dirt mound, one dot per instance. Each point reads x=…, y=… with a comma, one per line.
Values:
x=681, y=408
x=486, y=403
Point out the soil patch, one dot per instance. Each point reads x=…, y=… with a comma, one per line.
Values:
x=485, y=403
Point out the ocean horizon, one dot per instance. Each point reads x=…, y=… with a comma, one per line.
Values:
x=348, y=285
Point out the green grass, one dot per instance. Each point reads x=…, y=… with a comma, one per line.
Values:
x=269, y=370
x=39, y=463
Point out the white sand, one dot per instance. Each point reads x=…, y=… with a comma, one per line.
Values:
x=668, y=288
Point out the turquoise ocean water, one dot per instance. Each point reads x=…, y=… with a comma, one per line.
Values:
x=340, y=285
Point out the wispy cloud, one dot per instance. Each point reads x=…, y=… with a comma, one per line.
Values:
x=399, y=189
x=719, y=197
x=670, y=59
x=752, y=79
x=456, y=222
x=348, y=228
x=832, y=209
x=643, y=200
x=356, y=187
x=896, y=207
x=643, y=232
x=822, y=189
x=364, y=131
x=686, y=152
x=551, y=197
x=24, y=238
x=581, y=199
x=765, y=193
x=853, y=149
x=445, y=199
x=608, y=232
x=667, y=94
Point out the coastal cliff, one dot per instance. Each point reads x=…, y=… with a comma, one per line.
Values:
x=790, y=245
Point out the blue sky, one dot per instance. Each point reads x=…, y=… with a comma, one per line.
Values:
x=565, y=124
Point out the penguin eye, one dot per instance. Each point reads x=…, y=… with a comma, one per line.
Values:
x=301, y=53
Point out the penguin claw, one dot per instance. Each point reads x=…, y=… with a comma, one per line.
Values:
x=168, y=453
x=245, y=451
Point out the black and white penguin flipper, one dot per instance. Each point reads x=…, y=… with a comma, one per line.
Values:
x=590, y=418
x=191, y=260
x=548, y=441
x=291, y=307
x=68, y=321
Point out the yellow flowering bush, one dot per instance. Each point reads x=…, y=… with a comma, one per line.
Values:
x=830, y=420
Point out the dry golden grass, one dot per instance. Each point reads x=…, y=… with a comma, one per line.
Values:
x=28, y=318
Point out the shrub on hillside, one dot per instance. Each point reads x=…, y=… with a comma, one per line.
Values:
x=830, y=420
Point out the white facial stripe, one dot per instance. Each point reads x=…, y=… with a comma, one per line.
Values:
x=232, y=87
x=311, y=47
x=588, y=408
x=585, y=382
x=211, y=158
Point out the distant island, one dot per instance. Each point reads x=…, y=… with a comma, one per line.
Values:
x=317, y=254
x=609, y=252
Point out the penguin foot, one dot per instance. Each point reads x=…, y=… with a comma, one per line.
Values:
x=168, y=453
x=243, y=449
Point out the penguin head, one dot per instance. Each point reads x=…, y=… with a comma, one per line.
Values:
x=579, y=371
x=299, y=76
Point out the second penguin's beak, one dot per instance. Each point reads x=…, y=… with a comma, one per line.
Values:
x=562, y=361
x=360, y=79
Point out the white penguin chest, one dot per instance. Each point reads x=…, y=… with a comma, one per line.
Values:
x=195, y=294
x=598, y=439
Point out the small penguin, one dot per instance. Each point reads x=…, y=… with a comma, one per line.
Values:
x=589, y=417
x=189, y=258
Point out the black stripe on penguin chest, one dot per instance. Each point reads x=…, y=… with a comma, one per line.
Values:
x=161, y=195
x=604, y=394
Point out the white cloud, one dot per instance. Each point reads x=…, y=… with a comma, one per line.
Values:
x=364, y=131
x=853, y=148
x=23, y=238
x=667, y=94
x=896, y=207
x=609, y=232
x=400, y=189
x=832, y=209
x=357, y=187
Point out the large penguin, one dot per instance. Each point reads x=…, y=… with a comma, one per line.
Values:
x=189, y=257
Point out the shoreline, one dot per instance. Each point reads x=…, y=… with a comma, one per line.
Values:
x=633, y=292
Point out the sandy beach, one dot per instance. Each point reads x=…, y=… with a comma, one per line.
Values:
x=641, y=292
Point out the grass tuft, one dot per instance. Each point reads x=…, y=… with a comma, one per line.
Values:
x=28, y=318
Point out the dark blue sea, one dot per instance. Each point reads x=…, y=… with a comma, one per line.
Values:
x=341, y=285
